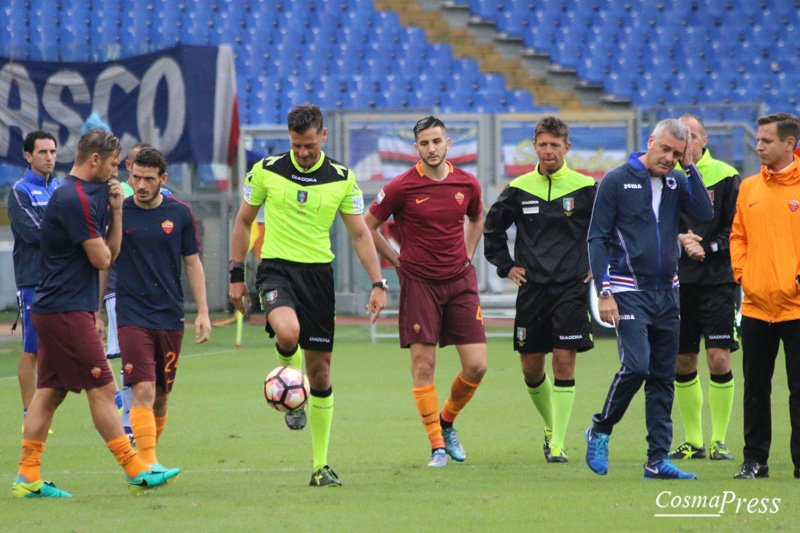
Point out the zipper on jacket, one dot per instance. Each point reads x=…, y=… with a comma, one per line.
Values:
x=549, y=187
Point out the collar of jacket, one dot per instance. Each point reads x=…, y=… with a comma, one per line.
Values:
x=790, y=176
x=562, y=172
x=35, y=178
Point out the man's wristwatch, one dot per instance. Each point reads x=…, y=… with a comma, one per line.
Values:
x=382, y=284
x=236, y=271
x=604, y=294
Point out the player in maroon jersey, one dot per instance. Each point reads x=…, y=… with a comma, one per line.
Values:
x=438, y=287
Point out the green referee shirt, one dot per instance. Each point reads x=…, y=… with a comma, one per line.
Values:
x=300, y=205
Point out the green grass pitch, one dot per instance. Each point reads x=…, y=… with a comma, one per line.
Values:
x=243, y=470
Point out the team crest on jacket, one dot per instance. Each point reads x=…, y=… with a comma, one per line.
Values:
x=302, y=197
x=569, y=205
x=460, y=198
x=672, y=182
x=793, y=205
x=167, y=226
x=522, y=334
x=96, y=372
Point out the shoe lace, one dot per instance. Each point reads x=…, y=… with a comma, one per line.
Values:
x=601, y=447
x=452, y=437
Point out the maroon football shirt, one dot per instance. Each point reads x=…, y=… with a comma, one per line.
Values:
x=429, y=217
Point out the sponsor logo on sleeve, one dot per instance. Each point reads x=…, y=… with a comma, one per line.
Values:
x=248, y=192
x=381, y=196
x=358, y=204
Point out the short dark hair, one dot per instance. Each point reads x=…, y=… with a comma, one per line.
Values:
x=29, y=144
x=554, y=126
x=304, y=117
x=788, y=125
x=426, y=124
x=149, y=157
x=100, y=142
x=139, y=146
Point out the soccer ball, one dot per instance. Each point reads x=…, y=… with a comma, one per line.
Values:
x=286, y=388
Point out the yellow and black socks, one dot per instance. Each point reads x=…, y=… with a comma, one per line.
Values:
x=31, y=460
x=293, y=357
x=690, y=401
x=720, y=401
x=127, y=456
x=563, y=397
x=320, y=417
x=461, y=393
x=428, y=407
x=542, y=396
x=143, y=424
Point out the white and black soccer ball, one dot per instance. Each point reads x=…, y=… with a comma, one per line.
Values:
x=286, y=388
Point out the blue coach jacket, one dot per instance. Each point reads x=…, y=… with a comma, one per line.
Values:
x=26, y=204
x=626, y=240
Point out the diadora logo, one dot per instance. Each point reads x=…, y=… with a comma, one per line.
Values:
x=530, y=202
x=718, y=337
x=571, y=337
x=632, y=186
x=304, y=179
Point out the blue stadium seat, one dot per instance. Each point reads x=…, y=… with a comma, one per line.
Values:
x=520, y=102
x=494, y=83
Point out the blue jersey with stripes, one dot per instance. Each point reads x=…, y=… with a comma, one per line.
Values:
x=77, y=211
x=154, y=243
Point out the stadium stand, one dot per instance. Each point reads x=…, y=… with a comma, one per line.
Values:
x=713, y=51
x=340, y=54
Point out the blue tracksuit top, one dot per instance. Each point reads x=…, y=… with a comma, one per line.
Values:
x=626, y=241
x=26, y=203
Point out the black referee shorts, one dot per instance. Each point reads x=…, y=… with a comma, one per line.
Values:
x=552, y=316
x=306, y=288
x=708, y=311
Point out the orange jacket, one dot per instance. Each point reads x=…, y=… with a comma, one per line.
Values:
x=765, y=244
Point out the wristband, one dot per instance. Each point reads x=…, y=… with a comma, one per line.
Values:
x=236, y=274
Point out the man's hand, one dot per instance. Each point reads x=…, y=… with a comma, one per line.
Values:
x=99, y=325
x=240, y=297
x=202, y=328
x=588, y=277
x=517, y=275
x=377, y=301
x=688, y=152
x=691, y=243
x=115, y=194
x=609, y=313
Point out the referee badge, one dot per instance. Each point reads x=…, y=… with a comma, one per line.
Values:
x=522, y=334
x=167, y=226
x=569, y=205
x=302, y=196
x=272, y=296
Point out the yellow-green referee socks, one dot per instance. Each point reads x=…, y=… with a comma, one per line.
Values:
x=563, y=398
x=720, y=401
x=542, y=396
x=690, y=401
x=293, y=357
x=320, y=416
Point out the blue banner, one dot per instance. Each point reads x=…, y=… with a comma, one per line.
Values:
x=180, y=100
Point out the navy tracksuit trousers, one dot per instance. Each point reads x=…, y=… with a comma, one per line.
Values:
x=647, y=339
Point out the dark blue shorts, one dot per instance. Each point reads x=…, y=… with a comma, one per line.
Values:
x=30, y=342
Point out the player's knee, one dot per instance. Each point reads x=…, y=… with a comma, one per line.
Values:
x=288, y=338
x=319, y=377
x=474, y=373
x=719, y=361
x=686, y=363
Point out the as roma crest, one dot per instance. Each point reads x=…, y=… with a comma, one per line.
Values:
x=569, y=205
x=460, y=198
x=128, y=368
x=167, y=226
x=302, y=197
x=96, y=372
x=417, y=328
x=793, y=205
